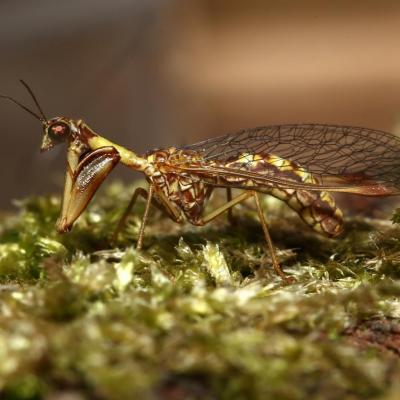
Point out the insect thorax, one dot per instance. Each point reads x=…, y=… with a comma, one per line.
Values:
x=185, y=190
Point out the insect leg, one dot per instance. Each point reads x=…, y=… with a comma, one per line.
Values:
x=214, y=214
x=264, y=225
x=138, y=192
x=145, y=217
x=239, y=199
x=232, y=220
x=82, y=182
x=163, y=205
x=73, y=155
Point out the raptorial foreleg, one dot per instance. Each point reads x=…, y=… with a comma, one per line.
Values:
x=83, y=180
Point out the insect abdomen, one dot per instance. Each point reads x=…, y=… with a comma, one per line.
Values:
x=317, y=209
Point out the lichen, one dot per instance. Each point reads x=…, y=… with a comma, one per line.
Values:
x=199, y=312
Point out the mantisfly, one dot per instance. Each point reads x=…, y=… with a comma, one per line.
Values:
x=300, y=164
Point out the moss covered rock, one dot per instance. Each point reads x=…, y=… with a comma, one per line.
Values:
x=199, y=313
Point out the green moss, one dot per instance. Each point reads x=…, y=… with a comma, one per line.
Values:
x=199, y=312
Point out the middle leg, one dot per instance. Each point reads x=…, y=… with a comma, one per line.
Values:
x=232, y=220
x=162, y=203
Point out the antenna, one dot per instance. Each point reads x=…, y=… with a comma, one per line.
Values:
x=23, y=107
x=34, y=99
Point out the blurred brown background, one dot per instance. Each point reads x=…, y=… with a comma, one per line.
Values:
x=149, y=73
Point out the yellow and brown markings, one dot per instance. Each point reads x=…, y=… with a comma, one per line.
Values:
x=186, y=190
x=317, y=209
x=190, y=190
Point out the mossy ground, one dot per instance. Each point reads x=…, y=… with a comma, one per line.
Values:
x=198, y=314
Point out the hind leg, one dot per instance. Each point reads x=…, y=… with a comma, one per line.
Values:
x=236, y=200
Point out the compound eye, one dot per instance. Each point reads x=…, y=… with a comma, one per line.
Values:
x=58, y=130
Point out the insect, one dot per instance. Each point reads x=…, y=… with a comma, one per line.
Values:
x=300, y=164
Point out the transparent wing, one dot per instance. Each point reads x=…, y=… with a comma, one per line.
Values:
x=237, y=178
x=342, y=158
